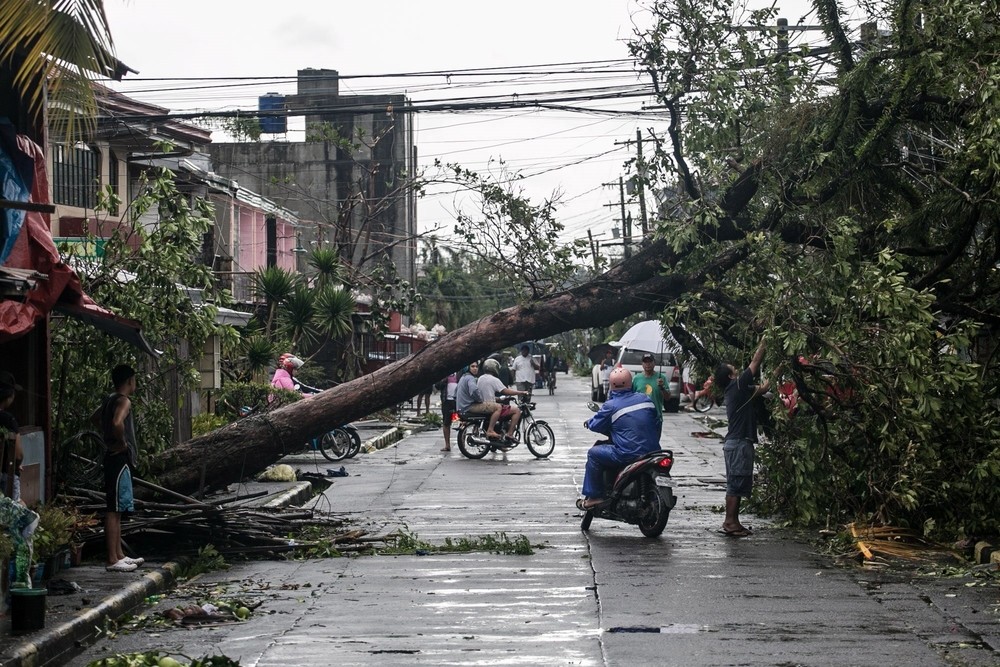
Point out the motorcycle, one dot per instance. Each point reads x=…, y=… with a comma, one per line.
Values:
x=536, y=434
x=343, y=442
x=641, y=493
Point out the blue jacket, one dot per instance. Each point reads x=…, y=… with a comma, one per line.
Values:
x=630, y=419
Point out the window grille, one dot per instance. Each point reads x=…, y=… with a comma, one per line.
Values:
x=76, y=175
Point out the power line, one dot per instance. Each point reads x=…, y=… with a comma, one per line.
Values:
x=470, y=71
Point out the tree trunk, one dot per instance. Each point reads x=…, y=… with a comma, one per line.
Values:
x=248, y=446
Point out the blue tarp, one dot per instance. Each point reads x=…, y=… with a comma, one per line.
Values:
x=12, y=187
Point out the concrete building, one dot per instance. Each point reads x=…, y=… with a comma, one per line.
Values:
x=349, y=182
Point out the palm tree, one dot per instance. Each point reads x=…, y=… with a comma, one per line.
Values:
x=329, y=269
x=54, y=49
x=298, y=314
x=276, y=285
x=334, y=308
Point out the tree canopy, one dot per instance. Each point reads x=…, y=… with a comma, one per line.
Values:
x=842, y=203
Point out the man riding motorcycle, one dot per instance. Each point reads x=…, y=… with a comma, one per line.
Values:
x=629, y=419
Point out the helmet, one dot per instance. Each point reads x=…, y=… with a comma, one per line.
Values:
x=289, y=362
x=621, y=378
x=492, y=366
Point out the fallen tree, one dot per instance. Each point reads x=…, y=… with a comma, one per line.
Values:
x=251, y=444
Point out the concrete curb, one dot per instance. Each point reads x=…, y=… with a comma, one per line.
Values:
x=389, y=437
x=54, y=643
x=985, y=552
x=294, y=495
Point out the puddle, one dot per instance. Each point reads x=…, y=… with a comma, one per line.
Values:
x=672, y=629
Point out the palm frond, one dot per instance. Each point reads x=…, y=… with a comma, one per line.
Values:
x=258, y=351
x=329, y=268
x=60, y=46
x=334, y=307
x=274, y=283
x=297, y=315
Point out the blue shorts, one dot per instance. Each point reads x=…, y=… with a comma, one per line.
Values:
x=739, y=467
x=118, y=483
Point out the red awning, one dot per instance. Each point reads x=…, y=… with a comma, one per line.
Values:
x=34, y=250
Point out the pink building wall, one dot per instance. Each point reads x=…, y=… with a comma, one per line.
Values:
x=253, y=240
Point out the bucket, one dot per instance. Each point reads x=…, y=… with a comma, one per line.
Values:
x=27, y=609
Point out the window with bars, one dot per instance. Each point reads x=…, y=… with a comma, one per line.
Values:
x=76, y=175
x=113, y=178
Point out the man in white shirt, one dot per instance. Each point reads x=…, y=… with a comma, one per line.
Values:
x=490, y=386
x=524, y=371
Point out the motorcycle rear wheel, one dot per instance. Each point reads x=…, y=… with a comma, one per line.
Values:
x=335, y=445
x=703, y=403
x=654, y=518
x=472, y=441
x=540, y=439
x=355, y=442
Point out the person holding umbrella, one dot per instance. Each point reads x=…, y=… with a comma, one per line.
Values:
x=652, y=384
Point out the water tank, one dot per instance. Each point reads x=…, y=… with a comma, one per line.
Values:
x=272, y=124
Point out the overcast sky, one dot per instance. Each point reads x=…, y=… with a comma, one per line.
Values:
x=574, y=153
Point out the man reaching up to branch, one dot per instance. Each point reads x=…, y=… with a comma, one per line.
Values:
x=738, y=447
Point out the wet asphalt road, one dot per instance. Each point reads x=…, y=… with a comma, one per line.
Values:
x=610, y=597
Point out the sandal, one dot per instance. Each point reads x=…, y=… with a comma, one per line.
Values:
x=587, y=504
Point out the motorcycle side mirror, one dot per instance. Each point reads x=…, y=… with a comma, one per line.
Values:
x=594, y=407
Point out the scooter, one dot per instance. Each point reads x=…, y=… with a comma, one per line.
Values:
x=641, y=494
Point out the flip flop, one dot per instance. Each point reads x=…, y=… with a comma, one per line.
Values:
x=742, y=532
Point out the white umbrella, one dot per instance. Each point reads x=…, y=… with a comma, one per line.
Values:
x=648, y=337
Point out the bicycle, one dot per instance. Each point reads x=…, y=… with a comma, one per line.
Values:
x=536, y=434
x=83, y=460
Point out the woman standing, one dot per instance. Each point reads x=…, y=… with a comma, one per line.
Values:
x=449, y=388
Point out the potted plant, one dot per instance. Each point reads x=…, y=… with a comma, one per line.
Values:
x=54, y=535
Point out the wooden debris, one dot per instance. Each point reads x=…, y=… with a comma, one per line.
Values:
x=893, y=542
x=232, y=528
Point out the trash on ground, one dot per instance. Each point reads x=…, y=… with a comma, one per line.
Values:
x=281, y=472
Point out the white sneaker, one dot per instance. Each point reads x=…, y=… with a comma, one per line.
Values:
x=135, y=561
x=122, y=566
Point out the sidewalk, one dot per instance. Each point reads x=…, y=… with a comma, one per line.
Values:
x=74, y=619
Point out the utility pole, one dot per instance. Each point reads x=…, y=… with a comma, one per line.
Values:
x=640, y=169
x=593, y=249
x=782, y=30
x=783, y=69
x=626, y=221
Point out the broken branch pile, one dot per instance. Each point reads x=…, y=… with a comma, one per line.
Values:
x=230, y=525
